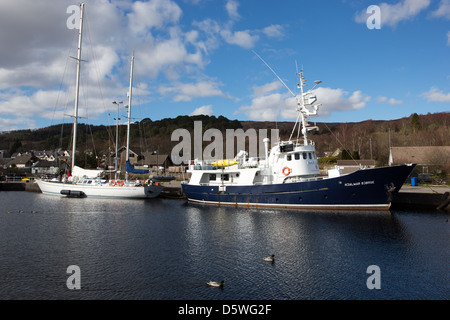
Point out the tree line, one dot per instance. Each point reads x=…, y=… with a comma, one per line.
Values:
x=368, y=139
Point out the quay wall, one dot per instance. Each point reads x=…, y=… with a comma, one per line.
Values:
x=19, y=186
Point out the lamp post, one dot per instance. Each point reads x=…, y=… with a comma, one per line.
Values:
x=117, y=135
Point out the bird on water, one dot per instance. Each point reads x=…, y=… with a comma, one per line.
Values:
x=216, y=284
x=270, y=259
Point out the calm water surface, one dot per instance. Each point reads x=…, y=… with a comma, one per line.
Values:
x=169, y=249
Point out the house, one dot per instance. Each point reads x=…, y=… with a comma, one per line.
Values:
x=45, y=167
x=426, y=156
x=47, y=155
x=429, y=155
x=23, y=161
x=145, y=159
x=4, y=163
x=177, y=169
x=133, y=156
x=156, y=160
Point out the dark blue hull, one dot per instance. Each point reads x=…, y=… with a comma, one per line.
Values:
x=363, y=189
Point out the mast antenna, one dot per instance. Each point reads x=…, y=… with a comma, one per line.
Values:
x=274, y=73
x=303, y=112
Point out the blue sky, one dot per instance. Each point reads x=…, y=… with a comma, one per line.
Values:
x=196, y=57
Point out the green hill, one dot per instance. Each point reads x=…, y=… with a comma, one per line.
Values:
x=365, y=139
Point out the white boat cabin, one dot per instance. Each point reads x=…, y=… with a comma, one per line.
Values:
x=287, y=162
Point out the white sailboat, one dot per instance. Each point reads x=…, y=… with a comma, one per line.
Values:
x=87, y=183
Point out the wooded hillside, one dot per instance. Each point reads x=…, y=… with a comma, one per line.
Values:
x=367, y=139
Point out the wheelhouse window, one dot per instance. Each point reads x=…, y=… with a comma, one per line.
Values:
x=289, y=157
x=304, y=156
x=212, y=176
x=297, y=156
x=225, y=177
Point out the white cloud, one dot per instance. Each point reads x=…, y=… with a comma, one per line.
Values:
x=27, y=34
x=9, y=124
x=205, y=110
x=243, y=38
x=391, y=101
x=154, y=13
x=37, y=57
x=392, y=14
x=266, y=88
x=103, y=65
x=273, y=31
x=266, y=108
x=232, y=9
x=161, y=57
x=28, y=105
x=436, y=95
x=186, y=92
x=271, y=106
x=443, y=11
x=340, y=100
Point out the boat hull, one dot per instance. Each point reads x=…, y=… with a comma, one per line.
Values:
x=99, y=191
x=368, y=189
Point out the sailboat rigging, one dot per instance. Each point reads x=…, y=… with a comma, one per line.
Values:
x=88, y=183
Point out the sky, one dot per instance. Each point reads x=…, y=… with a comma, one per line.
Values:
x=200, y=57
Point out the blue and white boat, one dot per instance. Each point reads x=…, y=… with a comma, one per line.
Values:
x=289, y=176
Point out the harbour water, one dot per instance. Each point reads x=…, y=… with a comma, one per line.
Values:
x=164, y=249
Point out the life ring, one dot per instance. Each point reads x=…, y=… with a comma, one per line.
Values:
x=286, y=171
x=120, y=183
x=112, y=183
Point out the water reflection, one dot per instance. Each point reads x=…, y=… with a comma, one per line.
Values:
x=169, y=249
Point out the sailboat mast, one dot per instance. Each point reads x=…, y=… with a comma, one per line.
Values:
x=77, y=87
x=129, y=113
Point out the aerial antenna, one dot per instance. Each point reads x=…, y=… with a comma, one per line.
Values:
x=281, y=80
x=274, y=73
x=302, y=110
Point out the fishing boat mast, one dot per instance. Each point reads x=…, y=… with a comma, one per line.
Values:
x=305, y=99
x=77, y=86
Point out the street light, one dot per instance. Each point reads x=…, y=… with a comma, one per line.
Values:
x=117, y=135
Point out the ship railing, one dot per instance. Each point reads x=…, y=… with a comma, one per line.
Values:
x=302, y=178
x=242, y=164
x=298, y=142
x=202, y=167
